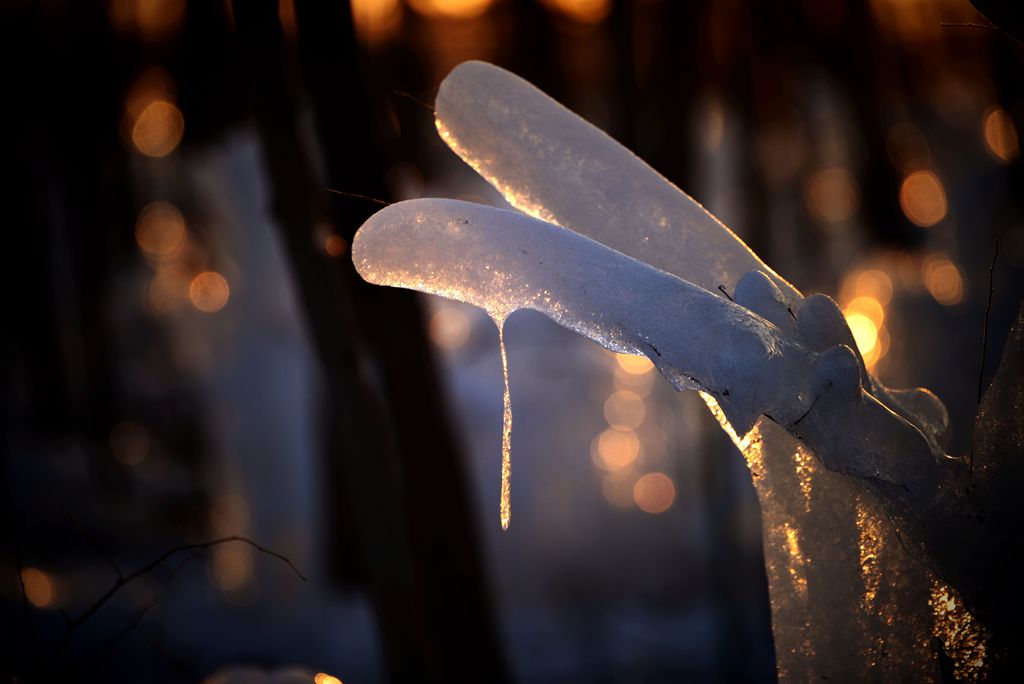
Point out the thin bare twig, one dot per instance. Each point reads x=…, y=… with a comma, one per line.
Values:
x=137, y=618
x=984, y=344
x=988, y=309
x=410, y=96
x=358, y=196
x=152, y=565
x=967, y=24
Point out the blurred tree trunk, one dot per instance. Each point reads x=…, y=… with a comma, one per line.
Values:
x=390, y=444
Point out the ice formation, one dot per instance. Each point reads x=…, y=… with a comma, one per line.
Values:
x=607, y=247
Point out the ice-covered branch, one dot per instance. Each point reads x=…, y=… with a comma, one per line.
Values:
x=607, y=247
x=503, y=261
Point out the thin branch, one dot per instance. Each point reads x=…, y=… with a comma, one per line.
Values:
x=988, y=309
x=984, y=344
x=967, y=24
x=136, y=619
x=410, y=96
x=358, y=196
x=152, y=565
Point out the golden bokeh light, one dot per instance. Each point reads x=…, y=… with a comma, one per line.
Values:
x=624, y=410
x=865, y=332
x=158, y=129
x=832, y=195
x=654, y=493
x=151, y=19
x=324, y=678
x=39, y=588
x=335, y=245
x=286, y=15
x=451, y=9
x=615, y=449
x=160, y=229
x=923, y=199
x=583, y=11
x=376, y=20
x=878, y=351
x=129, y=442
x=209, y=291
x=450, y=327
x=866, y=306
x=1000, y=135
x=943, y=280
x=873, y=283
x=634, y=365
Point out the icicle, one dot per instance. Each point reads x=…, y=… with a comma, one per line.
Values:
x=505, y=505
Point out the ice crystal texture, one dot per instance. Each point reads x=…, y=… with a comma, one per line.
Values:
x=853, y=482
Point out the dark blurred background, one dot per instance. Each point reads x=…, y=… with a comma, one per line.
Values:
x=190, y=355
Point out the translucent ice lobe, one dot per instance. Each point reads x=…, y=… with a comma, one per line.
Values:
x=503, y=261
x=550, y=163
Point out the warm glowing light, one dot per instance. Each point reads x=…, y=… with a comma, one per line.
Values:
x=324, y=678
x=39, y=589
x=451, y=9
x=654, y=493
x=923, y=198
x=866, y=306
x=615, y=449
x=160, y=230
x=376, y=20
x=871, y=283
x=943, y=280
x=624, y=410
x=209, y=291
x=1000, y=135
x=877, y=352
x=871, y=545
x=797, y=563
x=152, y=19
x=335, y=245
x=158, y=129
x=450, y=327
x=583, y=11
x=865, y=332
x=129, y=442
x=832, y=195
x=634, y=365
x=962, y=637
x=286, y=15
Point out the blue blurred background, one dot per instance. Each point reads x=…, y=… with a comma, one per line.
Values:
x=192, y=357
